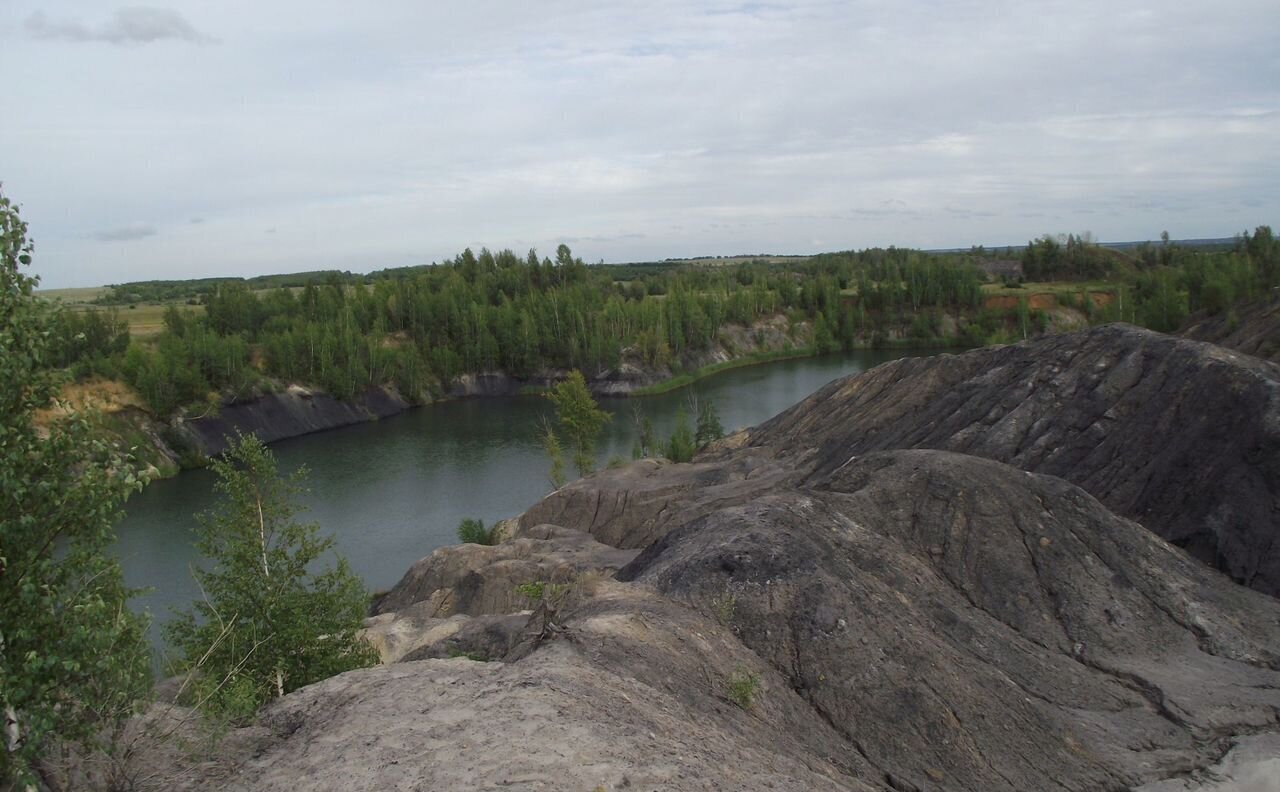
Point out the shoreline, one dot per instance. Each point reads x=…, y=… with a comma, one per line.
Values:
x=266, y=408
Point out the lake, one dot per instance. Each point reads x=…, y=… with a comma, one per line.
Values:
x=391, y=491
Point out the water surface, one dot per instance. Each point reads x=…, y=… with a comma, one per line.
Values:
x=392, y=491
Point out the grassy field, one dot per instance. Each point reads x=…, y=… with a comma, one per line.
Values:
x=74, y=296
x=148, y=320
x=145, y=319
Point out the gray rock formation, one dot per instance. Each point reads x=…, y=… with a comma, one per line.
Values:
x=1252, y=328
x=1183, y=437
x=795, y=615
x=293, y=412
x=478, y=579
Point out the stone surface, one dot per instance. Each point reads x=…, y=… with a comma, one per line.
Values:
x=952, y=614
x=793, y=614
x=1183, y=437
x=296, y=411
x=479, y=579
x=1253, y=328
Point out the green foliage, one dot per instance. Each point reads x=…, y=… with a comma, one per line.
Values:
x=1071, y=258
x=73, y=660
x=681, y=445
x=270, y=622
x=472, y=531
x=824, y=340
x=551, y=444
x=417, y=328
x=709, y=428
x=539, y=590
x=742, y=688
x=723, y=607
x=581, y=419
x=88, y=339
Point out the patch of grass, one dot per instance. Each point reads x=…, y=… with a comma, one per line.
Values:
x=472, y=531
x=74, y=296
x=148, y=319
x=479, y=657
x=681, y=380
x=723, y=606
x=538, y=590
x=743, y=687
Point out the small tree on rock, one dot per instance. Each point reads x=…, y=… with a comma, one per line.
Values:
x=268, y=624
x=551, y=444
x=709, y=428
x=680, y=446
x=581, y=419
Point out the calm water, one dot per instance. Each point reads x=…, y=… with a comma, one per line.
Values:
x=392, y=491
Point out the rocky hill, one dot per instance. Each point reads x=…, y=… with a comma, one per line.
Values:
x=1252, y=328
x=1183, y=437
x=829, y=603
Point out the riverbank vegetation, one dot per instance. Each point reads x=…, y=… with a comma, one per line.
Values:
x=420, y=328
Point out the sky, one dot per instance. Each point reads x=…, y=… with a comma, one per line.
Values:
x=243, y=137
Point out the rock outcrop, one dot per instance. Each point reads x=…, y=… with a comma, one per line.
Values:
x=811, y=611
x=294, y=411
x=1252, y=328
x=1183, y=437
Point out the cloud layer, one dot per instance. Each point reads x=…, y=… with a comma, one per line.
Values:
x=126, y=233
x=130, y=25
x=405, y=132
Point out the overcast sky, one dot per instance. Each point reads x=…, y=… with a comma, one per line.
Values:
x=250, y=136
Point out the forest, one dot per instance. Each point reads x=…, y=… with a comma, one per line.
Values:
x=417, y=328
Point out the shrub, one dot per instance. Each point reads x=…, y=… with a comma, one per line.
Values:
x=272, y=620
x=743, y=686
x=472, y=531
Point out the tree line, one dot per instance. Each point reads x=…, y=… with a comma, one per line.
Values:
x=420, y=327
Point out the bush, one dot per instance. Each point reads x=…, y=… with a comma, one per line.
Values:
x=472, y=531
x=682, y=445
x=272, y=621
x=743, y=686
x=73, y=658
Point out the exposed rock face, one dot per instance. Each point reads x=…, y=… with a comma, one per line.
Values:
x=965, y=624
x=296, y=411
x=478, y=579
x=797, y=615
x=1253, y=328
x=1183, y=437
